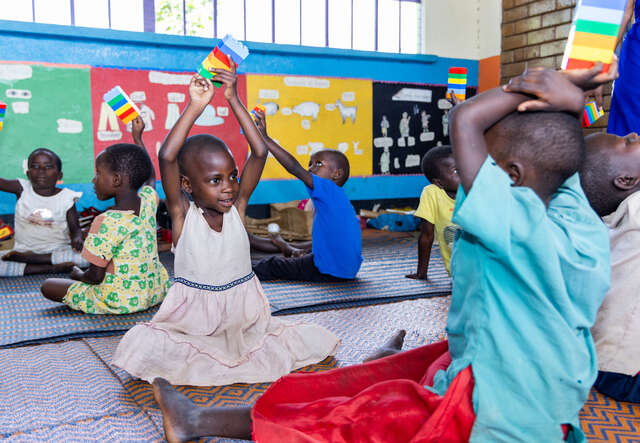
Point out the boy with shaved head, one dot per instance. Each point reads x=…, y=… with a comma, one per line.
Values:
x=610, y=177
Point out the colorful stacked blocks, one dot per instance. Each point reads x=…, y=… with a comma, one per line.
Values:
x=457, y=83
x=217, y=59
x=594, y=33
x=120, y=102
x=257, y=108
x=592, y=112
x=3, y=111
x=5, y=232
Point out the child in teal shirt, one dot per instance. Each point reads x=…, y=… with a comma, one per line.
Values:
x=530, y=269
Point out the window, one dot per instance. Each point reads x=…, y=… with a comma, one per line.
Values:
x=368, y=25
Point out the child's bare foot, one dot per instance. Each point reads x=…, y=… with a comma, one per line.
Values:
x=176, y=410
x=393, y=346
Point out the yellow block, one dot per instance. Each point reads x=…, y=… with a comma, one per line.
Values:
x=591, y=54
x=123, y=109
x=594, y=40
x=457, y=81
x=129, y=117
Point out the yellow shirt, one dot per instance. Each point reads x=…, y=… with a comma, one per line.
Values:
x=436, y=207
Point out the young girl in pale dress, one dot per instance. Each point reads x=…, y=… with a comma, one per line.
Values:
x=215, y=326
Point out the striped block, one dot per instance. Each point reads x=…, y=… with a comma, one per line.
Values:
x=123, y=106
x=592, y=112
x=593, y=34
x=228, y=48
x=3, y=111
x=257, y=108
x=457, y=83
x=5, y=232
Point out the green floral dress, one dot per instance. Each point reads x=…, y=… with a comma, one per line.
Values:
x=126, y=245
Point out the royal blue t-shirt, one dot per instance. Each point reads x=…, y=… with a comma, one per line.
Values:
x=337, y=240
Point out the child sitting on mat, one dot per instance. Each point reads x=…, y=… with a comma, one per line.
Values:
x=530, y=268
x=336, y=236
x=125, y=274
x=610, y=177
x=215, y=326
x=47, y=232
x=436, y=207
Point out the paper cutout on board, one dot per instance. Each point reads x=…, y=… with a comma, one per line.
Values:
x=12, y=72
x=176, y=97
x=67, y=126
x=23, y=94
x=413, y=95
x=108, y=127
x=593, y=34
x=20, y=107
x=168, y=78
x=347, y=112
x=209, y=117
x=307, y=109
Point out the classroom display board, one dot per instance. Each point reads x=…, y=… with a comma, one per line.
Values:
x=307, y=114
x=47, y=106
x=408, y=120
x=161, y=97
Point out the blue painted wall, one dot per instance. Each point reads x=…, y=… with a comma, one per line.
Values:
x=35, y=42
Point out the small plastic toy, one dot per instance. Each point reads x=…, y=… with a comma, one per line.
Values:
x=228, y=47
x=257, y=108
x=593, y=34
x=120, y=102
x=3, y=111
x=5, y=231
x=457, y=83
x=592, y=112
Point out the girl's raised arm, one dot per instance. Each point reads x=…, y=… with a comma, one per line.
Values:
x=200, y=94
x=255, y=163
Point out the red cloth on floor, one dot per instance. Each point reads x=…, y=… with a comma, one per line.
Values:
x=382, y=400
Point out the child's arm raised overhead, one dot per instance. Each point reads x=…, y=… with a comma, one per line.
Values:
x=287, y=160
x=255, y=163
x=137, y=128
x=200, y=94
x=471, y=119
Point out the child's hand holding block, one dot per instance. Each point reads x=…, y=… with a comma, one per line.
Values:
x=3, y=110
x=457, y=83
x=120, y=102
x=217, y=59
x=593, y=34
x=256, y=109
x=592, y=112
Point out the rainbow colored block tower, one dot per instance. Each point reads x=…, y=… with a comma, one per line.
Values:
x=120, y=102
x=593, y=34
x=257, y=108
x=592, y=112
x=457, y=83
x=3, y=111
x=228, y=47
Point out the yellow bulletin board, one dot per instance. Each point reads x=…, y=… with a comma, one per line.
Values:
x=307, y=114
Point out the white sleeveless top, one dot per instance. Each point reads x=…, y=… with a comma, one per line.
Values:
x=41, y=222
x=207, y=259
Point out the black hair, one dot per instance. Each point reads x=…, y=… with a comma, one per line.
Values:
x=198, y=143
x=340, y=161
x=430, y=161
x=48, y=152
x=130, y=160
x=551, y=142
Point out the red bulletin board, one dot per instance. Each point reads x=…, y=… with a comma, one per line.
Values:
x=161, y=97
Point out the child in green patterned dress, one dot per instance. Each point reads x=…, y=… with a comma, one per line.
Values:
x=125, y=274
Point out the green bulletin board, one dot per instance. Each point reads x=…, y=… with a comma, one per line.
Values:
x=47, y=106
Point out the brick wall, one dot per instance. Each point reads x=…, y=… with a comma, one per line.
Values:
x=535, y=32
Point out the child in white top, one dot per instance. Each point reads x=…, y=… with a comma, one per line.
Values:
x=47, y=232
x=215, y=327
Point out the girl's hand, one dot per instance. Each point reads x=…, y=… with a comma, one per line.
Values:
x=453, y=99
x=77, y=242
x=593, y=78
x=229, y=78
x=261, y=123
x=200, y=91
x=137, y=128
x=76, y=273
x=553, y=90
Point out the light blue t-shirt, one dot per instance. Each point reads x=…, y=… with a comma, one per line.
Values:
x=527, y=283
x=337, y=239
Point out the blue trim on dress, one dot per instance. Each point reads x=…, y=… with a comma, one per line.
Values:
x=225, y=287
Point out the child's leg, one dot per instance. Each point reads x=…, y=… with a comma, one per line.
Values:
x=48, y=268
x=619, y=386
x=293, y=268
x=56, y=288
x=391, y=347
x=28, y=257
x=184, y=420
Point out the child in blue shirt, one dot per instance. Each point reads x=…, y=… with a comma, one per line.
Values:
x=336, y=237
